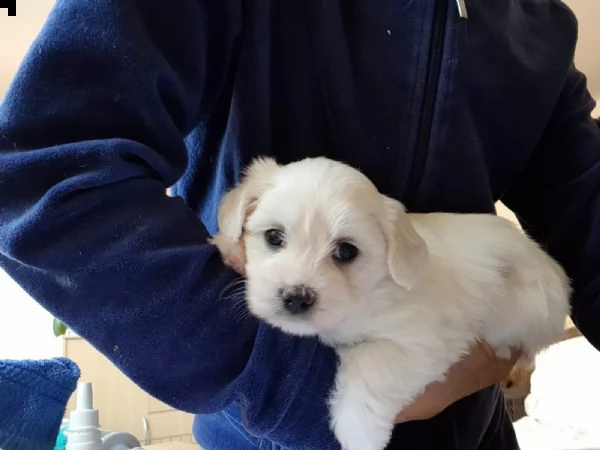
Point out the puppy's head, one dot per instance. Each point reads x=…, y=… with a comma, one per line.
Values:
x=319, y=240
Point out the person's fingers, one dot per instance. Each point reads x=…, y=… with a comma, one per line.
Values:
x=501, y=368
x=481, y=368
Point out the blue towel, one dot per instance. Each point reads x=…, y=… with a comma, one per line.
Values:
x=33, y=398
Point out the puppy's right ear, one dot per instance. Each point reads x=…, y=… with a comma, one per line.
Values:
x=239, y=202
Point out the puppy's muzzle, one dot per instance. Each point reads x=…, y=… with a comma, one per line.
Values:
x=298, y=299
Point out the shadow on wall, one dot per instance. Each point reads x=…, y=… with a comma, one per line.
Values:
x=587, y=56
x=17, y=33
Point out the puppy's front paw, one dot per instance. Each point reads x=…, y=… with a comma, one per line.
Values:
x=356, y=429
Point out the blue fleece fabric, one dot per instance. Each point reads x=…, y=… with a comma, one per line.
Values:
x=119, y=100
x=33, y=397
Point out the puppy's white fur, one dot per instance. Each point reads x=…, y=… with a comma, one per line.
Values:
x=423, y=288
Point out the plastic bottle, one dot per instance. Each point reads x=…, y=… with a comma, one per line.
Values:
x=84, y=427
x=84, y=424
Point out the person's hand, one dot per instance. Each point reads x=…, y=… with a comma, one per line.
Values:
x=480, y=369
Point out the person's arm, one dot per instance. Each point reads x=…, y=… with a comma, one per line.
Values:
x=557, y=198
x=91, y=135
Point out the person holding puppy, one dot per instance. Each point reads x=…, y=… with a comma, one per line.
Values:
x=446, y=108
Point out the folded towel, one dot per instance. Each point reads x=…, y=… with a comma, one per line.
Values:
x=33, y=398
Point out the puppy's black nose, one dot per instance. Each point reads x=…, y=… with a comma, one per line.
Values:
x=298, y=299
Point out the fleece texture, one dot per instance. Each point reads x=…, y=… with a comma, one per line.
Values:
x=119, y=100
x=33, y=397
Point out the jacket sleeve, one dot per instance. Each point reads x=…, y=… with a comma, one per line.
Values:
x=91, y=136
x=557, y=198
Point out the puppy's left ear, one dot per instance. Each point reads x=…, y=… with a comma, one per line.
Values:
x=239, y=202
x=407, y=252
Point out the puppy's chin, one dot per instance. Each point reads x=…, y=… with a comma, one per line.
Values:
x=295, y=327
x=311, y=324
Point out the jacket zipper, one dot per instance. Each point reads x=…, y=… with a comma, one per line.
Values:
x=434, y=65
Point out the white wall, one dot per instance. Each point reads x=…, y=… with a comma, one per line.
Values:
x=25, y=328
x=16, y=34
x=587, y=56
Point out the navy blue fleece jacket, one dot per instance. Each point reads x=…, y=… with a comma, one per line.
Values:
x=118, y=100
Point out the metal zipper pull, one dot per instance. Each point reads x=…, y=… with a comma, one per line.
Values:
x=462, y=9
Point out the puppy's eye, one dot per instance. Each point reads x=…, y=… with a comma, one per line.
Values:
x=345, y=252
x=274, y=238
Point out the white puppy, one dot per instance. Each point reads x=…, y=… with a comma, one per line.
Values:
x=400, y=296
